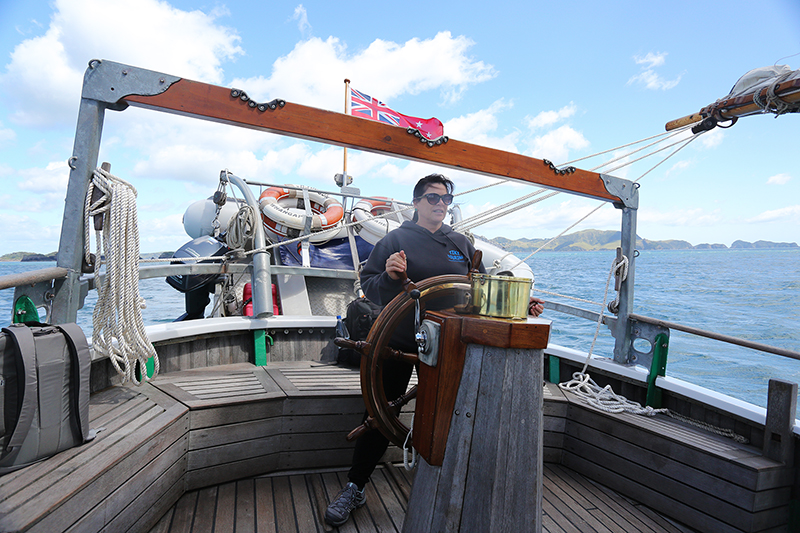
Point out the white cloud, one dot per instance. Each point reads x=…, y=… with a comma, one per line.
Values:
x=697, y=217
x=790, y=214
x=477, y=128
x=556, y=144
x=779, y=179
x=46, y=72
x=651, y=60
x=549, y=218
x=648, y=77
x=28, y=234
x=548, y=118
x=713, y=138
x=654, y=81
x=301, y=16
x=313, y=71
x=678, y=167
x=7, y=135
x=49, y=183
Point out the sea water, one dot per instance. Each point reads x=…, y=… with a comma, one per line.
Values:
x=752, y=294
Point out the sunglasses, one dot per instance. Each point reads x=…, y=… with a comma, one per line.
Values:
x=434, y=198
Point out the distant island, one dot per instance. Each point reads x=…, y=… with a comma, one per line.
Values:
x=589, y=240
x=592, y=240
x=31, y=256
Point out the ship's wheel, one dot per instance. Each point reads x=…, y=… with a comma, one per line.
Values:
x=384, y=412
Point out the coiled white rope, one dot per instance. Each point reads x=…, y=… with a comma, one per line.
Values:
x=241, y=227
x=605, y=398
x=118, y=329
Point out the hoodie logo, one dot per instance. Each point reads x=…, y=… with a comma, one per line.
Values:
x=455, y=256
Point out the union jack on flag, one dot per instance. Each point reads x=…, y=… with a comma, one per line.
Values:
x=364, y=106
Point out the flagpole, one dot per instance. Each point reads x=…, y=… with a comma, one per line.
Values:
x=346, y=112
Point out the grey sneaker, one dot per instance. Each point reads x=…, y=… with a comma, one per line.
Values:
x=344, y=503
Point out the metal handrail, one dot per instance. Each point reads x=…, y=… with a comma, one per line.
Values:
x=611, y=321
x=31, y=278
x=717, y=336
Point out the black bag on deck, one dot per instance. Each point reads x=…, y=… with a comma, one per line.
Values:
x=361, y=314
x=44, y=392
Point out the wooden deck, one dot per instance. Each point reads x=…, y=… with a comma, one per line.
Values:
x=245, y=448
x=296, y=503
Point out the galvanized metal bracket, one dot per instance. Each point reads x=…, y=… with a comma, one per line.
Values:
x=428, y=341
x=110, y=82
x=626, y=190
x=643, y=342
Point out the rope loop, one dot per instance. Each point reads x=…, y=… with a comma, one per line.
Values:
x=409, y=466
x=604, y=399
x=118, y=328
x=242, y=228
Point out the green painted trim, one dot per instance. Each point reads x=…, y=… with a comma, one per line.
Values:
x=657, y=368
x=150, y=366
x=554, y=365
x=24, y=311
x=260, y=346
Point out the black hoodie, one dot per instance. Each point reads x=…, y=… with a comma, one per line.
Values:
x=427, y=254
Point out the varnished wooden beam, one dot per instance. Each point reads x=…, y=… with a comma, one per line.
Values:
x=217, y=104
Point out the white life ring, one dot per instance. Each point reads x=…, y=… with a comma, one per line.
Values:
x=283, y=213
x=373, y=229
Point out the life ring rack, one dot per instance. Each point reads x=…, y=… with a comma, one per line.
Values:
x=283, y=213
x=373, y=229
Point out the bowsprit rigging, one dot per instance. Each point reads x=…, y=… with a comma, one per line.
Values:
x=774, y=89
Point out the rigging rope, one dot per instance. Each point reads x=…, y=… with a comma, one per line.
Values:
x=118, y=329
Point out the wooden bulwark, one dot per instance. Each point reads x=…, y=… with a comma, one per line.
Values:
x=203, y=428
x=711, y=482
x=132, y=472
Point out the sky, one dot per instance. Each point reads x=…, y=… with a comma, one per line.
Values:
x=554, y=80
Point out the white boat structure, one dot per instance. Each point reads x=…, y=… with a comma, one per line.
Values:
x=237, y=433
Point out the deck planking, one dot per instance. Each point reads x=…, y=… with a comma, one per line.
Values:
x=296, y=502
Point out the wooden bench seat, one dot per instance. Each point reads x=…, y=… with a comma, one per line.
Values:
x=246, y=420
x=132, y=471
x=708, y=481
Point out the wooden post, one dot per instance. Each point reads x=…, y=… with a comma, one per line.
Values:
x=781, y=412
x=491, y=476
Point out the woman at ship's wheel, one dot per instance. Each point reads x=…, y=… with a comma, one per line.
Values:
x=421, y=248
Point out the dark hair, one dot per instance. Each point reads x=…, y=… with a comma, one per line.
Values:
x=422, y=184
x=419, y=188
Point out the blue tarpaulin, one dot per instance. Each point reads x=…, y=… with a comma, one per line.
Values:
x=333, y=254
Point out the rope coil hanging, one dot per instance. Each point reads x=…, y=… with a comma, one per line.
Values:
x=118, y=329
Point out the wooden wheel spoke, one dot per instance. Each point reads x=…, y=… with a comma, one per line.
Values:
x=360, y=346
x=397, y=355
x=385, y=413
x=397, y=404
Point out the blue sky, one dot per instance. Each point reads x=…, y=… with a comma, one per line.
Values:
x=556, y=80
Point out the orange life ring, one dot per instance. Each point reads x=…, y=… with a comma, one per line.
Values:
x=283, y=213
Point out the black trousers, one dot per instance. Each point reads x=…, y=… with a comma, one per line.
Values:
x=371, y=445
